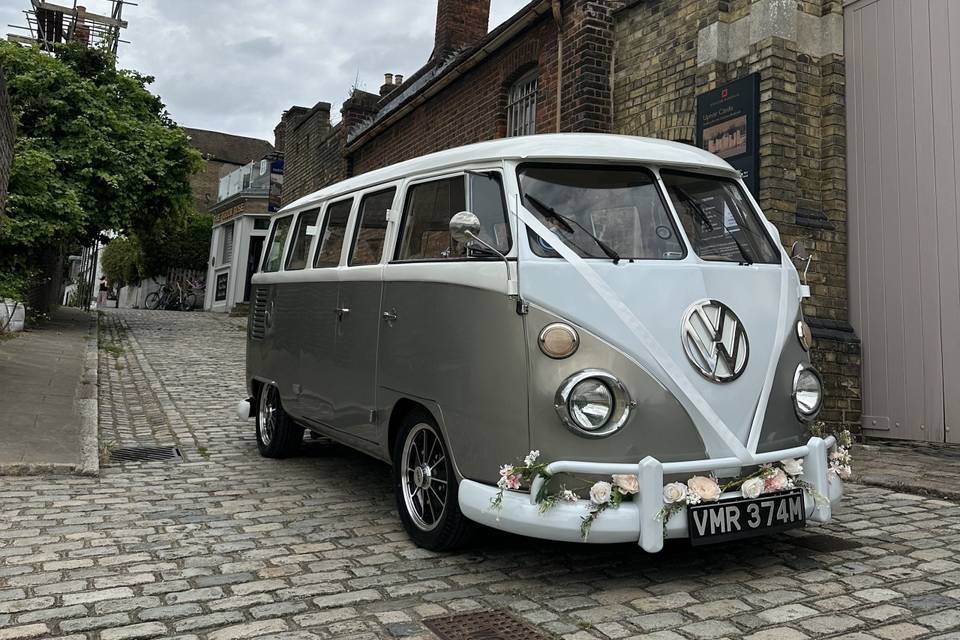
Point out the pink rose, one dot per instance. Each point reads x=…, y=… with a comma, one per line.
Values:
x=777, y=481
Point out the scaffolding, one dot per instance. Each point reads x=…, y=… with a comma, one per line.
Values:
x=49, y=24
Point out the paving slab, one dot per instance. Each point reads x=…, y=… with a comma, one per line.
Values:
x=48, y=382
x=932, y=470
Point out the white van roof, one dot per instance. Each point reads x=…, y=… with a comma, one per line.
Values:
x=552, y=146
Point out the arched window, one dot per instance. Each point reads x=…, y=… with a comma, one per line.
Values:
x=522, y=106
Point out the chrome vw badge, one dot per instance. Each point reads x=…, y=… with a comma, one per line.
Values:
x=715, y=341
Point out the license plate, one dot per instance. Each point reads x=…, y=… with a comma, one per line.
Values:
x=745, y=517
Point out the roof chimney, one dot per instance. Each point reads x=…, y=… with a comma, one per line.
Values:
x=460, y=24
x=387, y=85
x=398, y=80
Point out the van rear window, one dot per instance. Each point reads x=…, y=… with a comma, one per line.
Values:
x=278, y=238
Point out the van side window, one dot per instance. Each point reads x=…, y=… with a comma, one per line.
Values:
x=371, y=228
x=334, y=230
x=278, y=238
x=488, y=203
x=425, y=234
x=300, y=245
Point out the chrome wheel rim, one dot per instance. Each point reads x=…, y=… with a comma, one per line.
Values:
x=423, y=478
x=267, y=416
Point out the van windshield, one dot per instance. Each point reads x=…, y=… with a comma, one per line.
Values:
x=598, y=209
x=718, y=220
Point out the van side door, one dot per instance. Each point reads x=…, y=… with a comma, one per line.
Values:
x=450, y=333
x=315, y=372
x=358, y=320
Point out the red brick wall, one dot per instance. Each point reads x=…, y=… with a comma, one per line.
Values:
x=474, y=107
x=460, y=23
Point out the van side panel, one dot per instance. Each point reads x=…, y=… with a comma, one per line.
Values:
x=463, y=348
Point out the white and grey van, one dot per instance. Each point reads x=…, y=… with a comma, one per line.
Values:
x=616, y=306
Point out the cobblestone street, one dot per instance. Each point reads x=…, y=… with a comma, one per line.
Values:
x=226, y=544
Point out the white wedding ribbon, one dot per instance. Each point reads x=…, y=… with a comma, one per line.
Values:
x=705, y=418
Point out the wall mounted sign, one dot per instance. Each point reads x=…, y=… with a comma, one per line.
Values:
x=221, y=290
x=728, y=124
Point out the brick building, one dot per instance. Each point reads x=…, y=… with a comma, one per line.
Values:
x=544, y=70
x=223, y=153
x=6, y=142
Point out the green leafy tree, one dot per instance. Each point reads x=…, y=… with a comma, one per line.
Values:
x=122, y=261
x=95, y=151
x=178, y=242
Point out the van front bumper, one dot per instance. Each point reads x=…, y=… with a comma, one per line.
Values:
x=636, y=520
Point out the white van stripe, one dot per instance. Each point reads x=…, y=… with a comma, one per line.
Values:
x=706, y=418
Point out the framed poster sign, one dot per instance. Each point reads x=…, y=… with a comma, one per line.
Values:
x=221, y=290
x=728, y=124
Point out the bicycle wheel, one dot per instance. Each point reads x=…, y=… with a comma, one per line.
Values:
x=187, y=302
x=152, y=301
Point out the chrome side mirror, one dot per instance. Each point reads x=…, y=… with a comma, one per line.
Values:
x=464, y=226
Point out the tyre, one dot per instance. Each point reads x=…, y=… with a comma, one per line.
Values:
x=278, y=436
x=187, y=302
x=426, y=486
x=152, y=301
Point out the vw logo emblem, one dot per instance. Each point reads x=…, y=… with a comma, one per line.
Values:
x=715, y=341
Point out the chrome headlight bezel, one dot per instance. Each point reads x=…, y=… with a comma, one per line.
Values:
x=619, y=412
x=801, y=414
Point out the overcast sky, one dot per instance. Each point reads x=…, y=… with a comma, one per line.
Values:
x=235, y=65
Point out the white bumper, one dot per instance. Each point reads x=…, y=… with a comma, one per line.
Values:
x=637, y=521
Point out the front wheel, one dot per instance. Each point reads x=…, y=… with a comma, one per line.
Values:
x=278, y=436
x=152, y=301
x=426, y=486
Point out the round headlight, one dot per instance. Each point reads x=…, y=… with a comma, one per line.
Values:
x=807, y=392
x=558, y=340
x=593, y=403
x=804, y=335
x=590, y=404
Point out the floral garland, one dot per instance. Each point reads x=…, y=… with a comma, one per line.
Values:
x=768, y=478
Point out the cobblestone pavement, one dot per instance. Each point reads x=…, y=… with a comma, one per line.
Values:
x=928, y=469
x=228, y=545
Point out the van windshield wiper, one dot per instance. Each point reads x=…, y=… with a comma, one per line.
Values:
x=695, y=207
x=564, y=221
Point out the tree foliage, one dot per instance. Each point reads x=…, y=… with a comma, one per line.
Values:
x=122, y=261
x=94, y=151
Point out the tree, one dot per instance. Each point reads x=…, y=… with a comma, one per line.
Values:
x=95, y=151
x=122, y=261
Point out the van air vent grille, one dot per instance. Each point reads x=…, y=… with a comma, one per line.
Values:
x=258, y=321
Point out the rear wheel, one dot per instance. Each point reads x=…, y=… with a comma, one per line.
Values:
x=426, y=486
x=152, y=301
x=278, y=436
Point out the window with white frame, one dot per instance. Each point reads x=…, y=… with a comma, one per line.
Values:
x=226, y=244
x=522, y=106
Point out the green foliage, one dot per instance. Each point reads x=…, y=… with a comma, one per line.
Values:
x=13, y=286
x=122, y=261
x=95, y=151
x=177, y=242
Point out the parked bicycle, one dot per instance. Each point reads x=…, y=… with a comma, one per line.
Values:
x=172, y=297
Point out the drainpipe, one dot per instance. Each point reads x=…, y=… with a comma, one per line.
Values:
x=558, y=18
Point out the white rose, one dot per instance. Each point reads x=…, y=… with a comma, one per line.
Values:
x=600, y=492
x=628, y=483
x=674, y=492
x=706, y=488
x=793, y=466
x=752, y=488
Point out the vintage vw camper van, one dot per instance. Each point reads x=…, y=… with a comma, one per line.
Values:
x=572, y=337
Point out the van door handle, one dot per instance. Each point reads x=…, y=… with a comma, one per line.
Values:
x=390, y=316
x=342, y=312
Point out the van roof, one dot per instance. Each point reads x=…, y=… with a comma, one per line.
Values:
x=553, y=146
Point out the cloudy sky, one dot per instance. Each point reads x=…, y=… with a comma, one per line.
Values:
x=235, y=65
